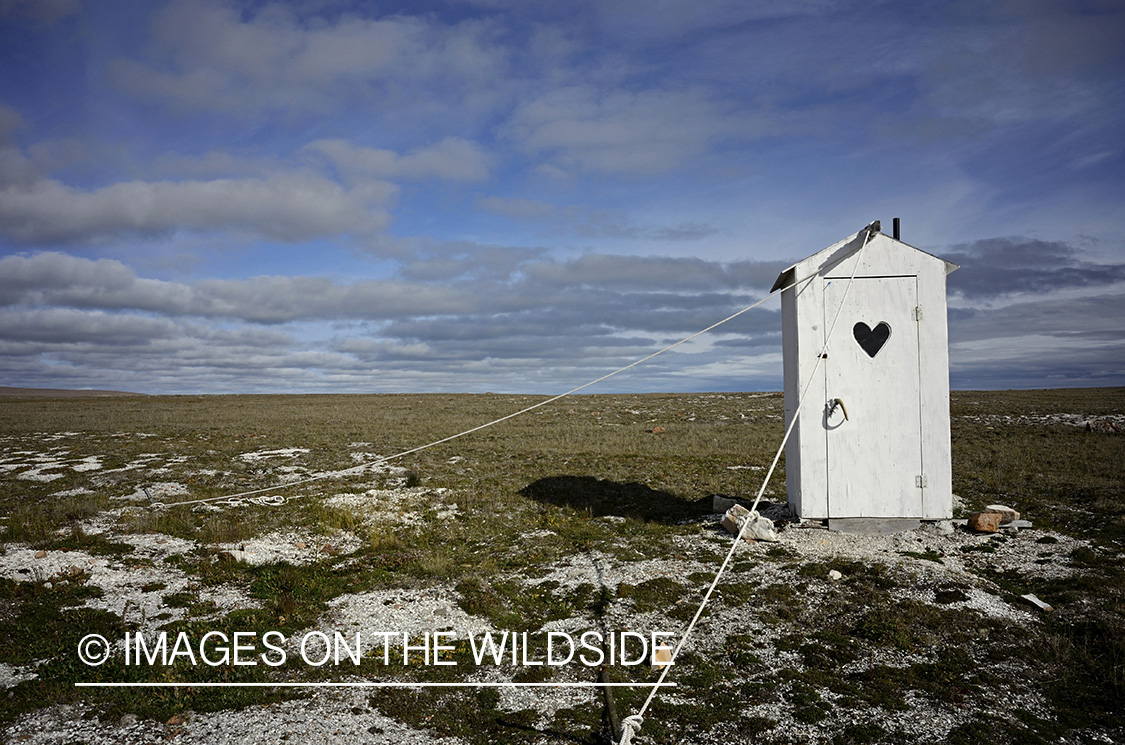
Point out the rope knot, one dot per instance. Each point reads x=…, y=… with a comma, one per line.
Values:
x=629, y=727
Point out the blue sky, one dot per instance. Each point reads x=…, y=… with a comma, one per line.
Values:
x=489, y=195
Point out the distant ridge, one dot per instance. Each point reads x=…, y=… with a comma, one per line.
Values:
x=6, y=392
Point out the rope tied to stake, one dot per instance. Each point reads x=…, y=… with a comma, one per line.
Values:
x=630, y=726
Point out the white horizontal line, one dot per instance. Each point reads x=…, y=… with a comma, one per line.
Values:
x=371, y=684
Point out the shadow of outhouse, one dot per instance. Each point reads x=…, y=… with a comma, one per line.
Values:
x=602, y=498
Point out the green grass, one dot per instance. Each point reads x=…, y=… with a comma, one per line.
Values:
x=582, y=475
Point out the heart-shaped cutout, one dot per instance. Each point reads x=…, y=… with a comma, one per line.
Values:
x=872, y=339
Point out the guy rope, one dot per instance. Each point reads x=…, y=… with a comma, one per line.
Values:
x=267, y=497
x=631, y=725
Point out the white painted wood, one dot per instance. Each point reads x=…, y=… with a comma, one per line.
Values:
x=892, y=457
x=874, y=456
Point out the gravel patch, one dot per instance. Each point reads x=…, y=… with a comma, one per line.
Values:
x=292, y=547
x=403, y=506
x=11, y=675
x=402, y=611
x=130, y=589
x=328, y=716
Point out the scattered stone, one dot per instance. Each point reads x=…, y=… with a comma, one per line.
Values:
x=127, y=720
x=1103, y=427
x=1024, y=524
x=330, y=549
x=175, y=720
x=835, y=576
x=984, y=522
x=1037, y=602
x=300, y=544
x=661, y=656
x=758, y=529
x=40, y=554
x=940, y=527
x=1007, y=514
x=655, y=431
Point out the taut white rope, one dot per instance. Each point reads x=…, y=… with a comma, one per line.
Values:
x=240, y=498
x=638, y=718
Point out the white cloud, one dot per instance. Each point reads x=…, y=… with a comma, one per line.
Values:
x=56, y=279
x=210, y=56
x=483, y=317
x=44, y=327
x=284, y=207
x=452, y=159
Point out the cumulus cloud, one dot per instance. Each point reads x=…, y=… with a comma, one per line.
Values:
x=1032, y=313
x=53, y=326
x=503, y=318
x=284, y=207
x=326, y=188
x=1002, y=266
x=60, y=280
x=209, y=55
x=1078, y=341
x=498, y=326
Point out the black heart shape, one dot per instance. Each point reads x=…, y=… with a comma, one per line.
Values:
x=872, y=340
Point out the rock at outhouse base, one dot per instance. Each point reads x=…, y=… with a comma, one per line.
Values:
x=757, y=528
x=873, y=525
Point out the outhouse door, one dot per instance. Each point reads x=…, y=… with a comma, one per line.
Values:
x=874, y=462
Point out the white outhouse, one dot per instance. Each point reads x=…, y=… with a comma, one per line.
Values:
x=871, y=439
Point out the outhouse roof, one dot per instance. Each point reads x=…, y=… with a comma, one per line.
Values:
x=826, y=259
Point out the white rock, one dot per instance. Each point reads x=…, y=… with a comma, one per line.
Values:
x=757, y=527
x=1007, y=514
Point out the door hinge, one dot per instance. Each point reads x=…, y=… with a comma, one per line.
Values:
x=920, y=481
x=917, y=312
